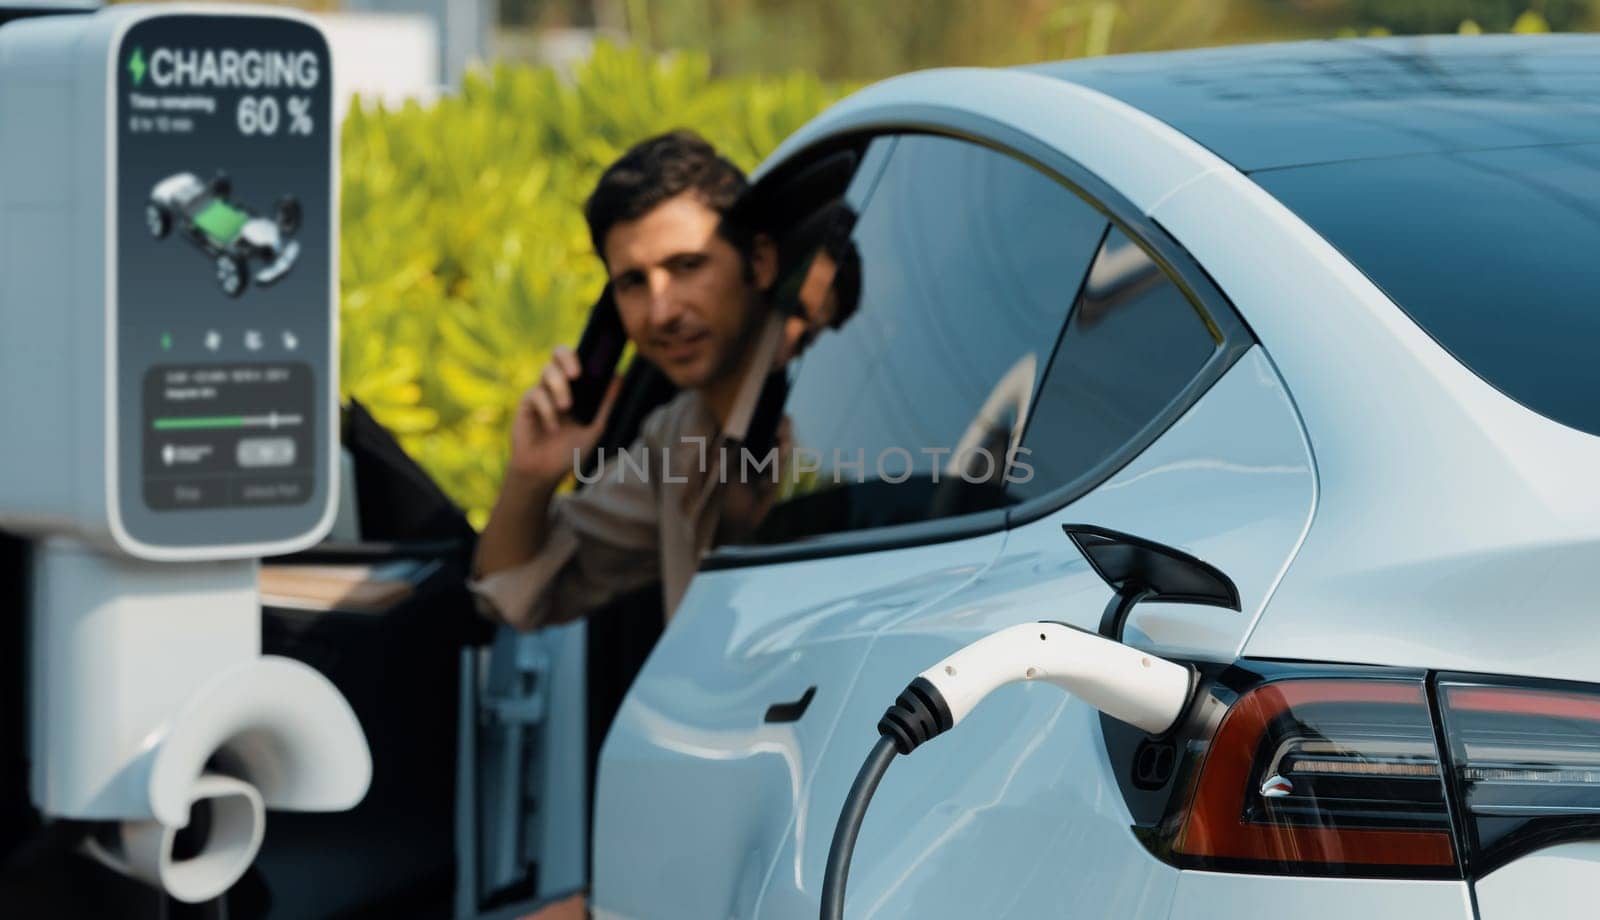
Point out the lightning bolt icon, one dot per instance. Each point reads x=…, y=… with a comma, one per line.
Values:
x=136, y=66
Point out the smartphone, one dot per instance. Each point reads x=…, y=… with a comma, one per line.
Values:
x=599, y=349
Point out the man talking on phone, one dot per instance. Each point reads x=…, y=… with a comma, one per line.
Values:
x=688, y=285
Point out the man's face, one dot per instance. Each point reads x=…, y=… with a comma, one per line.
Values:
x=682, y=290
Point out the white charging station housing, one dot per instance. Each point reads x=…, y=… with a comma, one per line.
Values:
x=168, y=403
x=149, y=409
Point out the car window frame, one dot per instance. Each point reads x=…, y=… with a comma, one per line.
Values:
x=1215, y=310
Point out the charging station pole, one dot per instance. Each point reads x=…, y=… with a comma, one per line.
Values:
x=168, y=393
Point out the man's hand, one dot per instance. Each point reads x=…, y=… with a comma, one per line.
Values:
x=543, y=433
x=543, y=437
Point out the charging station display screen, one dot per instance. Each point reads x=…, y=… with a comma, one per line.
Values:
x=223, y=266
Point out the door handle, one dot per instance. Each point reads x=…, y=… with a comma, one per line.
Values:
x=791, y=712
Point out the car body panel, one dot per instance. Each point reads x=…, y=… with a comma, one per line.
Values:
x=696, y=791
x=261, y=234
x=1232, y=482
x=1018, y=814
x=1555, y=883
x=1230, y=896
x=1455, y=525
x=279, y=266
x=178, y=190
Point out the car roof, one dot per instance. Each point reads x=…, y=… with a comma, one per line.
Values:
x=1292, y=104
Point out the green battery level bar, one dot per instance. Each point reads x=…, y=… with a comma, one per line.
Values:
x=216, y=422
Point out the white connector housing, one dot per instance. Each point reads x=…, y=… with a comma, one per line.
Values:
x=1141, y=689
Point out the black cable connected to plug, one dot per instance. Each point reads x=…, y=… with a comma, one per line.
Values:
x=849, y=826
x=918, y=714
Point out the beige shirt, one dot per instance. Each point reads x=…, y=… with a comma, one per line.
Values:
x=648, y=514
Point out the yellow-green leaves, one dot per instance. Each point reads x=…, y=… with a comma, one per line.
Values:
x=465, y=257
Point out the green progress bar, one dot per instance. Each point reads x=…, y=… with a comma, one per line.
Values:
x=203, y=421
x=270, y=420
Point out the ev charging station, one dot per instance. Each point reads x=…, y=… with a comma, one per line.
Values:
x=168, y=397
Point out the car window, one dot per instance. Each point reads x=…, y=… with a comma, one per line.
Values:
x=1488, y=251
x=1131, y=348
x=948, y=293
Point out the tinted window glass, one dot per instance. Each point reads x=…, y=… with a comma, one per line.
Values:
x=1493, y=253
x=1133, y=344
x=1271, y=105
x=951, y=290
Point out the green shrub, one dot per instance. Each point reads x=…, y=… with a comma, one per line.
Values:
x=465, y=257
x=1413, y=17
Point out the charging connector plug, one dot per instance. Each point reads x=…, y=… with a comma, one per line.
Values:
x=1135, y=687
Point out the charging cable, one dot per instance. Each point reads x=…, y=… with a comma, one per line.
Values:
x=1135, y=687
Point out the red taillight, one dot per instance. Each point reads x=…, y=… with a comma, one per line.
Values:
x=1329, y=770
x=1317, y=776
x=1525, y=764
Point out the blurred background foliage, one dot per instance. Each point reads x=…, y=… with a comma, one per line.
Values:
x=851, y=40
x=465, y=256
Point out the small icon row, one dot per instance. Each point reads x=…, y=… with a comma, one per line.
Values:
x=254, y=340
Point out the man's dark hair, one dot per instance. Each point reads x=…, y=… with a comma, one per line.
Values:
x=660, y=168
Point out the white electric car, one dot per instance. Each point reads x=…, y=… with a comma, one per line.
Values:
x=1325, y=316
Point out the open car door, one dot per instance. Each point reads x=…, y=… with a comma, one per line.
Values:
x=484, y=739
